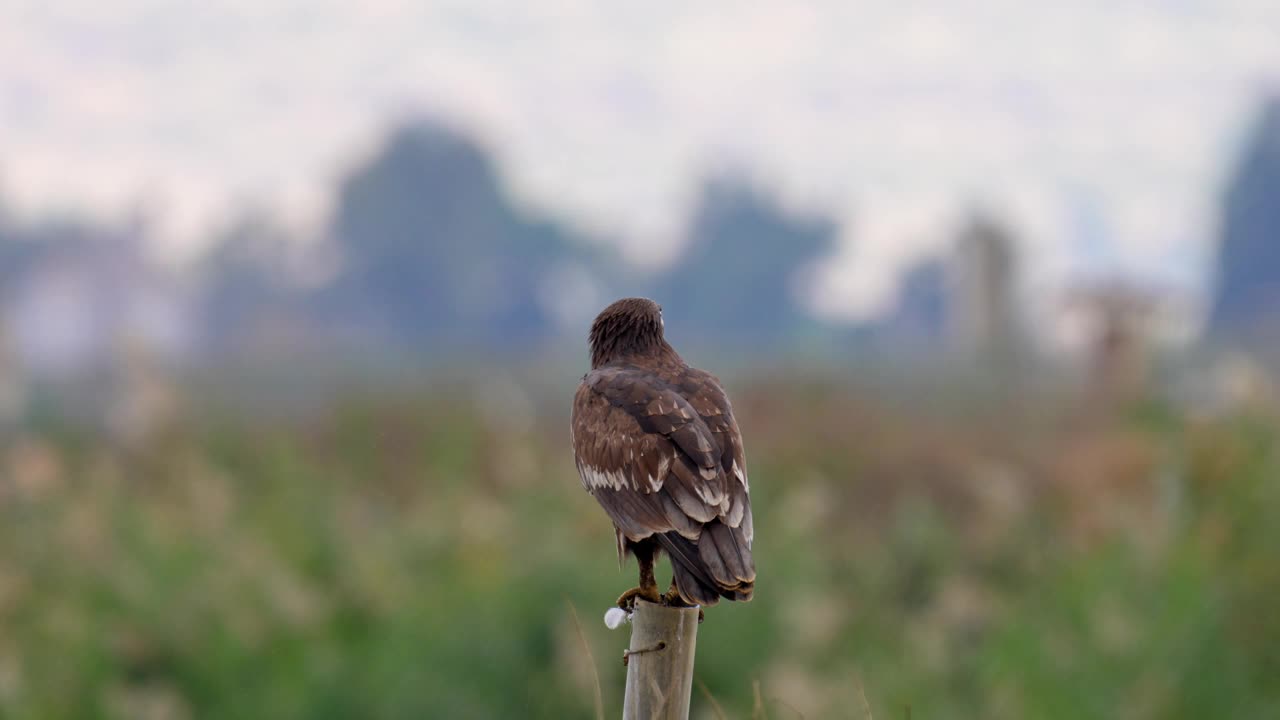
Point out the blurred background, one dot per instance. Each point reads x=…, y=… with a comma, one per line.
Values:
x=294, y=297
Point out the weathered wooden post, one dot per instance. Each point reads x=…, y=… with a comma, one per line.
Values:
x=660, y=662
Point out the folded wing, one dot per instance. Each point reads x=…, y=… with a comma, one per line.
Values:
x=663, y=456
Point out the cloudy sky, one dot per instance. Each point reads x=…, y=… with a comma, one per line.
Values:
x=1101, y=130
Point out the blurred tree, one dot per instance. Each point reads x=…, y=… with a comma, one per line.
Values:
x=738, y=279
x=433, y=251
x=1247, y=299
x=244, y=283
x=918, y=320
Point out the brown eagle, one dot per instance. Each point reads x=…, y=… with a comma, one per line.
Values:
x=657, y=446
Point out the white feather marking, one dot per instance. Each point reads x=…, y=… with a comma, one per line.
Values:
x=664, y=466
x=709, y=495
x=595, y=478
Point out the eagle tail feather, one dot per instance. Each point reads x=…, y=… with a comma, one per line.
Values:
x=717, y=565
x=693, y=590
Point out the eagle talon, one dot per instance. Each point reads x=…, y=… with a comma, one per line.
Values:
x=627, y=600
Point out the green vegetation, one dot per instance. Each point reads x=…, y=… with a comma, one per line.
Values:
x=408, y=558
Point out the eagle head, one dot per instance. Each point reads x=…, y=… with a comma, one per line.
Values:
x=628, y=327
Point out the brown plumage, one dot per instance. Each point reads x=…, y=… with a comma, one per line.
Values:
x=656, y=444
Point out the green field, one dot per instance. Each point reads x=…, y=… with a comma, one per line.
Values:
x=411, y=555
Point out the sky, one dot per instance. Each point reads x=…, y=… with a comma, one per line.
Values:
x=1101, y=132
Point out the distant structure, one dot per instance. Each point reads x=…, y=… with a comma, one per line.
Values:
x=1121, y=320
x=1246, y=303
x=144, y=399
x=983, y=309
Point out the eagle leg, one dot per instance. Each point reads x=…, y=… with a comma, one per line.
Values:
x=648, y=588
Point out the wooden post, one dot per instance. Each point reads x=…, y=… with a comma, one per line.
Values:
x=660, y=662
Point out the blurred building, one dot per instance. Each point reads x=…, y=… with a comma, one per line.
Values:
x=71, y=294
x=1120, y=319
x=143, y=396
x=1246, y=303
x=983, y=309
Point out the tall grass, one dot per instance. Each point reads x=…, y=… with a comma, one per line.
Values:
x=412, y=558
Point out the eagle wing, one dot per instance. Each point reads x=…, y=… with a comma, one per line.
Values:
x=662, y=454
x=708, y=399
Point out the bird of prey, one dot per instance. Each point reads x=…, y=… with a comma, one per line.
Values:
x=657, y=445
